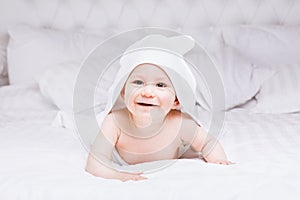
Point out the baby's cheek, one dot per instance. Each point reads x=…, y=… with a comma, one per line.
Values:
x=130, y=93
x=167, y=100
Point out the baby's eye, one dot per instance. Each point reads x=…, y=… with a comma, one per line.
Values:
x=138, y=82
x=161, y=84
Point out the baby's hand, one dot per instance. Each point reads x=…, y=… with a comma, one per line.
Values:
x=222, y=162
x=126, y=176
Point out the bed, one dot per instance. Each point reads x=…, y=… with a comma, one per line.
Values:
x=255, y=46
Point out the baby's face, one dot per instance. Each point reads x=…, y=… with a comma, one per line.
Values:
x=149, y=90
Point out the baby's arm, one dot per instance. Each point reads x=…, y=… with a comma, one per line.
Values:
x=99, y=160
x=211, y=149
x=97, y=168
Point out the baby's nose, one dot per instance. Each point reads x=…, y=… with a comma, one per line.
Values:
x=148, y=91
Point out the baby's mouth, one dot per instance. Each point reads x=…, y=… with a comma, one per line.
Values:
x=145, y=104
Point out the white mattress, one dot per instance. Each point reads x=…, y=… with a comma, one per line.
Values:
x=39, y=161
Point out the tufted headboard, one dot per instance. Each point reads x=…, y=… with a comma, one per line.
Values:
x=266, y=46
x=118, y=15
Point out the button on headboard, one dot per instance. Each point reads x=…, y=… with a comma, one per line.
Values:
x=119, y=15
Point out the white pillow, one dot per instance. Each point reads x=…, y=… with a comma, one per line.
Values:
x=274, y=45
x=240, y=76
x=280, y=93
x=32, y=50
x=23, y=98
x=57, y=84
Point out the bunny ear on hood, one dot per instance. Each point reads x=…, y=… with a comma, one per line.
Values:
x=177, y=44
x=167, y=53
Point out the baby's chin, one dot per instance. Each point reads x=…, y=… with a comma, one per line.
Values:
x=154, y=112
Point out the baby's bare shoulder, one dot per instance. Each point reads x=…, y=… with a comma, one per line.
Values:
x=109, y=123
x=109, y=118
x=177, y=115
x=188, y=127
x=186, y=122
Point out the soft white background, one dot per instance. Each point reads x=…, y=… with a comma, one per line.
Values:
x=39, y=161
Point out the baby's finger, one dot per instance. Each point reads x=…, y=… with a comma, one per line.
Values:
x=134, y=173
x=133, y=177
x=142, y=178
x=230, y=163
x=138, y=178
x=226, y=162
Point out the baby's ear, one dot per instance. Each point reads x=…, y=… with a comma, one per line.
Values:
x=122, y=93
x=175, y=104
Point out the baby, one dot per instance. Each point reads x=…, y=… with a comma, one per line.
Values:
x=150, y=127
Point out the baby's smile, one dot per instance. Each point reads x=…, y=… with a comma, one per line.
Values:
x=145, y=104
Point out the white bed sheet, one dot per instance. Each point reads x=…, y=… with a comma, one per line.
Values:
x=39, y=161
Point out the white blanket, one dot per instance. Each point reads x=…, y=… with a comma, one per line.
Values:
x=39, y=161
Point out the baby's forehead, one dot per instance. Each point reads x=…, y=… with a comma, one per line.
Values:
x=148, y=69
